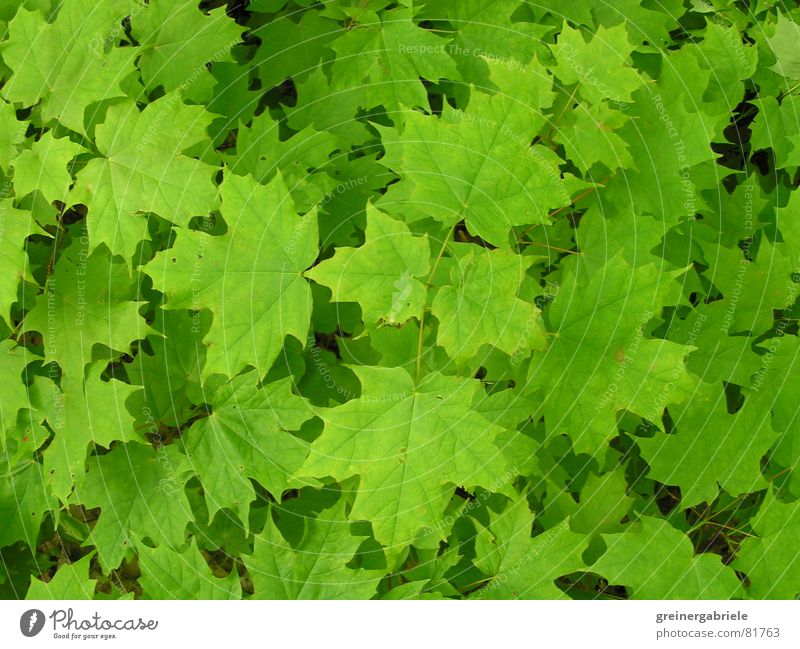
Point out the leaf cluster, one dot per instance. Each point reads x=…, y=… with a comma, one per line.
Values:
x=394, y=299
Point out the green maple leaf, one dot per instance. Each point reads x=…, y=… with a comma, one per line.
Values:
x=730, y=61
x=481, y=307
x=317, y=567
x=88, y=301
x=646, y=23
x=666, y=185
x=24, y=502
x=141, y=496
x=71, y=66
x=327, y=111
x=14, y=396
x=589, y=135
x=711, y=448
x=383, y=275
x=486, y=32
x=604, y=502
x=44, y=167
x=772, y=391
x=717, y=357
x=83, y=414
x=12, y=135
x=729, y=219
x=530, y=86
x=521, y=567
x=250, y=277
x=177, y=39
x=783, y=44
x=143, y=169
x=770, y=559
x=479, y=165
x=170, y=376
x=580, y=14
x=776, y=128
x=580, y=62
x=508, y=408
x=410, y=446
x=17, y=226
x=71, y=581
x=656, y=561
x=293, y=46
x=382, y=63
x=752, y=290
x=601, y=361
x=601, y=235
x=171, y=574
x=247, y=437
x=261, y=153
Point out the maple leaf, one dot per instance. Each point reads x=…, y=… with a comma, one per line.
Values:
x=589, y=136
x=24, y=502
x=16, y=225
x=733, y=62
x=480, y=166
x=140, y=492
x=383, y=275
x=261, y=153
x=171, y=574
x=71, y=67
x=409, y=445
x=772, y=392
x=292, y=46
x=775, y=128
x=711, y=448
x=11, y=137
x=79, y=424
x=783, y=44
x=246, y=437
x=658, y=561
x=71, y=581
x=578, y=62
x=382, y=63
x=521, y=567
x=756, y=288
x=485, y=31
x=45, y=167
x=143, y=169
x=317, y=569
x=88, y=301
x=13, y=361
x=481, y=307
x=250, y=277
x=604, y=504
x=665, y=185
x=601, y=361
x=448, y=299
x=769, y=558
x=171, y=375
x=176, y=40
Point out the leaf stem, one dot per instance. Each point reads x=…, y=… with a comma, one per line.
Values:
x=428, y=283
x=790, y=91
x=579, y=197
x=554, y=123
x=19, y=468
x=544, y=245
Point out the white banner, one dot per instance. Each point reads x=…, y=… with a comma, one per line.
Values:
x=403, y=624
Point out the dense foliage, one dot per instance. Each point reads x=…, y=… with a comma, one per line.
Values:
x=411, y=299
